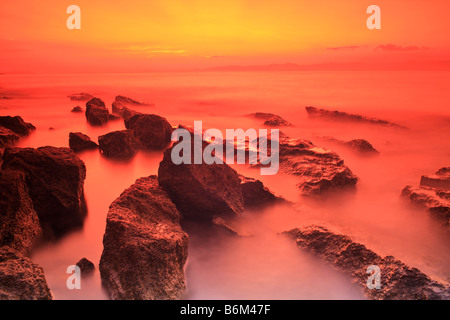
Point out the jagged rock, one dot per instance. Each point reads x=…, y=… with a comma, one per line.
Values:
x=255, y=194
x=7, y=138
x=398, y=281
x=55, y=179
x=151, y=131
x=344, y=116
x=86, y=266
x=83, y=96
x=118, y=144
x=19, y=222
x=440, y=180
x=362, y=146
x=270, y=119
x=145, y=249
x=201, y=191
x=77, y=109
x=96, y=112
x=16, y=125
x=122, y=111
x=20, y=278
x=113, y=117
x=128, y=101
x=80, y=142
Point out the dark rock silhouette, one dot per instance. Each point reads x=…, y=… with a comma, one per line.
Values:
x=86, y=266
x=20, y=278
x=7, y=138
x=118, y=144
x=55, y=179
x=145, y=249
x=344, y=116
x=440, y=180
x=96, y=112
x=361, y=146
x=80, y=142
x=77, y=109
x=128, y=101
x=270, y=119
x=255, y=194
x=16, y=125
x=19, y=222
x=83, y=96
x=151, y=131
x=398, y=281
x=122, y=111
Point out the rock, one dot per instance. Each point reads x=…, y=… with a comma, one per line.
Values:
x=55, y=179
x=83, y=96
x=113, y=117
x=7, y=138
x=128, y=101
x=440, y=180
x=96, y=112
x=344, y=116
x=20, y=278
x=122, y=111
x=398, y=281
x=201, y=191
x=255, y=194
x=118, y=144
x=220, y=225
x=151, y=131
x=51, y=129
x=362, y=146
x=19, y=222
x=271, y=119
x=16, y=125
x=145, y=249
x=80, y=142
x=86, y=266
x=77, y=109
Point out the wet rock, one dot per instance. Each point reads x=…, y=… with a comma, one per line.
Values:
x=122, y=111
x=77, y=109
x=256, y=194
x=7, y=138
x=80, y=142
x=118, y=144
x=96, y=112
x=361, y=146
x=201, y=191
x=398, y=281
x=20, y=278
x=19, y=222
x=128, y=101
x=440, y=180
x=86, y=266
x=344, y=116
x=16, y=125
x=113, y=117
x=145, y=249
x=55, y=179
x=83, y=96
x=270, y=119
x=151, y=131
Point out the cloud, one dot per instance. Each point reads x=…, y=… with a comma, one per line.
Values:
x=345, y=48
x=394, y=47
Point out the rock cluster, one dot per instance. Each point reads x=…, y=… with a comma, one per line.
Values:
x=270, y=119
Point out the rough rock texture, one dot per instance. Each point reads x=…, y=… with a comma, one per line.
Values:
x=20, y=278
x=55, y=179
x=79, y=142
x=398, y=281
x=440, y=180
x=151, y=131
x=118, y=144
x=7, y=138
x=113, y=117
x=270, y=119
x=16, y=125
x=362, y=146
x=86, y=266
x=19, y=222
x=96, y=112
x=201, y=191
x=255, y=194
x=145, y=248
x=77, y=109
x=123, y=111
x=344, y=116
x=83, y=96
x=128, y=101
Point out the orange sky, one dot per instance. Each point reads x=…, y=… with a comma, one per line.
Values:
x=147, y=35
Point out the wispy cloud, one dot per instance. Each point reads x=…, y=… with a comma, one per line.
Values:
x=394, y=47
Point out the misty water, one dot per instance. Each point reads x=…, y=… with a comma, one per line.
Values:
x=265, y=265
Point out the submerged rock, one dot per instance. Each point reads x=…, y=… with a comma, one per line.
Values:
x=128, y=101
x=270, y=119
x=145, y=249
x=122, y=111
x=344, y=116
x=16, y=125
x=86, y=266
x=55, y=179
x=150, y=131
x=83, y=96
x=118, y=144
x=19, y=222
x=96, y=112
x=80, y=142
x=77, y=109
x=255, y=194
x=20, y=278
x=398, y=281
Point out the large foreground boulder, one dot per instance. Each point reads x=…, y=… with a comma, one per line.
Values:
x=20, y=278
x=145, y=248
x=80, y=142
x=398, y=281
x=118, y=144
x=151, y=131
x=19, y=222
x=17, y=125
x=55, y=179
x=96, y=112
